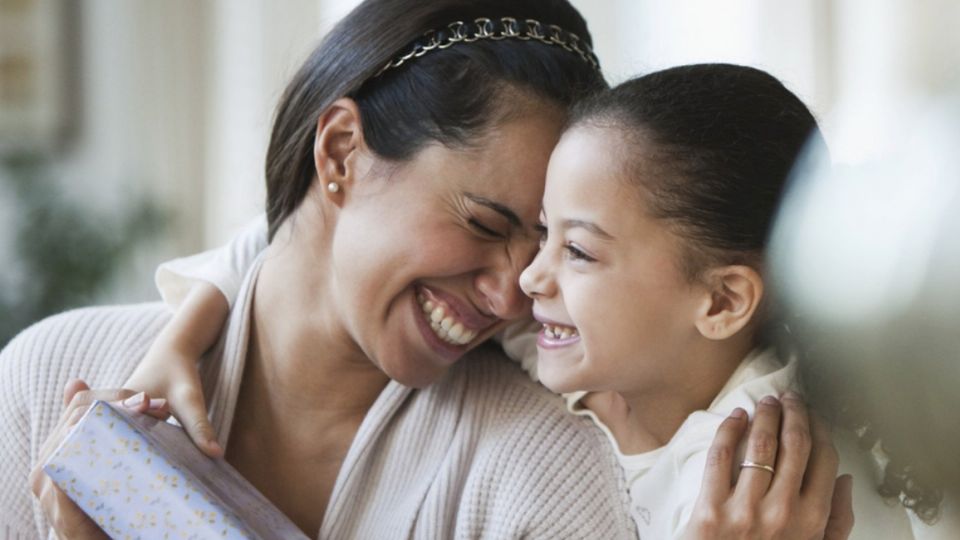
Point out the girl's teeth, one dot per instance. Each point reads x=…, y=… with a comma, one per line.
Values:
x=558, y=332
x=456, y=332
x=437, y=314
x=427, y=306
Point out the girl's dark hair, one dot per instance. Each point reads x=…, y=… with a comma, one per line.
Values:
x=447, y=96
x=719, y=143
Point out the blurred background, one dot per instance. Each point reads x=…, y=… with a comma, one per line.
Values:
x=132, y=131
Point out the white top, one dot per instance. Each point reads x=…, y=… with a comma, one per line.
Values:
x=663, y=484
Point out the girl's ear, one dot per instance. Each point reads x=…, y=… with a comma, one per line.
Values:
x=338, y=149
x=734, y=295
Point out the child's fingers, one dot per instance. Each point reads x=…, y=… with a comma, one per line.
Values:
x=762, y=443
x=794, y=448
x=718, y=474
x=188, y=406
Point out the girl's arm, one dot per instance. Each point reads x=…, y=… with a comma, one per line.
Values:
x=519, y=341
x=201, y=289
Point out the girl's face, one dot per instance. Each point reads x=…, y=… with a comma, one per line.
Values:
x=617, y=310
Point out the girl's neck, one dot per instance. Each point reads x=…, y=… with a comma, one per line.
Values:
x=642, y=421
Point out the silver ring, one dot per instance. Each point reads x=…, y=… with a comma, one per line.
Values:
x=747, y=464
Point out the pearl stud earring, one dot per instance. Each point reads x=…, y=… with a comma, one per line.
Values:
x=333, y=187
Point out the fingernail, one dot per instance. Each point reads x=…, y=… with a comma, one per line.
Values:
x=157, y=403
x=792, y=395
x=134, y=401
x=738, y=413
x=770, y=400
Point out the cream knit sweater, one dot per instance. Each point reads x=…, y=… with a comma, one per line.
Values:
x=483, y=453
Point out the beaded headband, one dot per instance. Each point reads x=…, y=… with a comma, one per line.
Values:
x=504, y=28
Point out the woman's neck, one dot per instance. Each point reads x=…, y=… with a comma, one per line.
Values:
x=303, y=372
x=643, y=421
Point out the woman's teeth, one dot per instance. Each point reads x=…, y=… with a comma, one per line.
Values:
x=445, y=326
x=559, y=332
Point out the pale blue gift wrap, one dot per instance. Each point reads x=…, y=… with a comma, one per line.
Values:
x=139, y=477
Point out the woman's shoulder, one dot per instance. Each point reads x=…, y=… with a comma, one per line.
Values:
x=100, y=344
x=506, y=392
x=533, y=452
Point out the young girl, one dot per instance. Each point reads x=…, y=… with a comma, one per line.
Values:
x=649, y=286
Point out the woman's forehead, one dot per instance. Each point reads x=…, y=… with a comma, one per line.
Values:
x=508, y=166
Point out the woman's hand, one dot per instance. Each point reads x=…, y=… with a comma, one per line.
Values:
x=169, y=368
x=802, y=499
x=66, y=518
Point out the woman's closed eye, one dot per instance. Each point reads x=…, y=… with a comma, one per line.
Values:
x=484, y=229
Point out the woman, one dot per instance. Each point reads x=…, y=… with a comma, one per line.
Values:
x=389, y=176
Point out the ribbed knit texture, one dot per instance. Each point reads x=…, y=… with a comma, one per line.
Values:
x=483, y=453
x=99, y=345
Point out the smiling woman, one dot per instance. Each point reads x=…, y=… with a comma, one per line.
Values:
x=387, y=188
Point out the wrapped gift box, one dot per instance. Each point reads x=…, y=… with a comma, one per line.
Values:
x=139, y=477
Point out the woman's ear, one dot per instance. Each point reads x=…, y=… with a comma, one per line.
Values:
x=734, y=296
x=338, y=148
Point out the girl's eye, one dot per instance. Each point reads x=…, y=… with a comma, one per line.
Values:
x=576, y=254
x=475, y=223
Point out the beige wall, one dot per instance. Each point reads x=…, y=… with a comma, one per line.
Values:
x=177, y=95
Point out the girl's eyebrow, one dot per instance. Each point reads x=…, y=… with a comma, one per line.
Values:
x=499, y=208
x=588, y=225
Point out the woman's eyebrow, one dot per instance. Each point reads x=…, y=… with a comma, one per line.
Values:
x=499, y=208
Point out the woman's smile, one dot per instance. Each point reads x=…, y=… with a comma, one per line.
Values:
x=449, y=324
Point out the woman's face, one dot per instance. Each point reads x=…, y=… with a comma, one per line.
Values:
x=426, y=259
x=606, y=284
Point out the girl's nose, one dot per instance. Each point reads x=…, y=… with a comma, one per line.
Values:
x=535, y=280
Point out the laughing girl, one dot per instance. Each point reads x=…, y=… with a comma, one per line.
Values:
x=650, y=284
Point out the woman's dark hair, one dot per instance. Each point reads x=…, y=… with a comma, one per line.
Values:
x=719, y=144
x=720, y=141
x=447, y=96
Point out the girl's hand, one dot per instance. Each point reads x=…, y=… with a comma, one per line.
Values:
x=66, y=518
x=169, y=368
x=802, y=499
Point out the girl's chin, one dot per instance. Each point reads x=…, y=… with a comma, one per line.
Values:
x=559, y=381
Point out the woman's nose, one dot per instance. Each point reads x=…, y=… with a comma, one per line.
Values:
x=501, y=292
x=499, y=285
